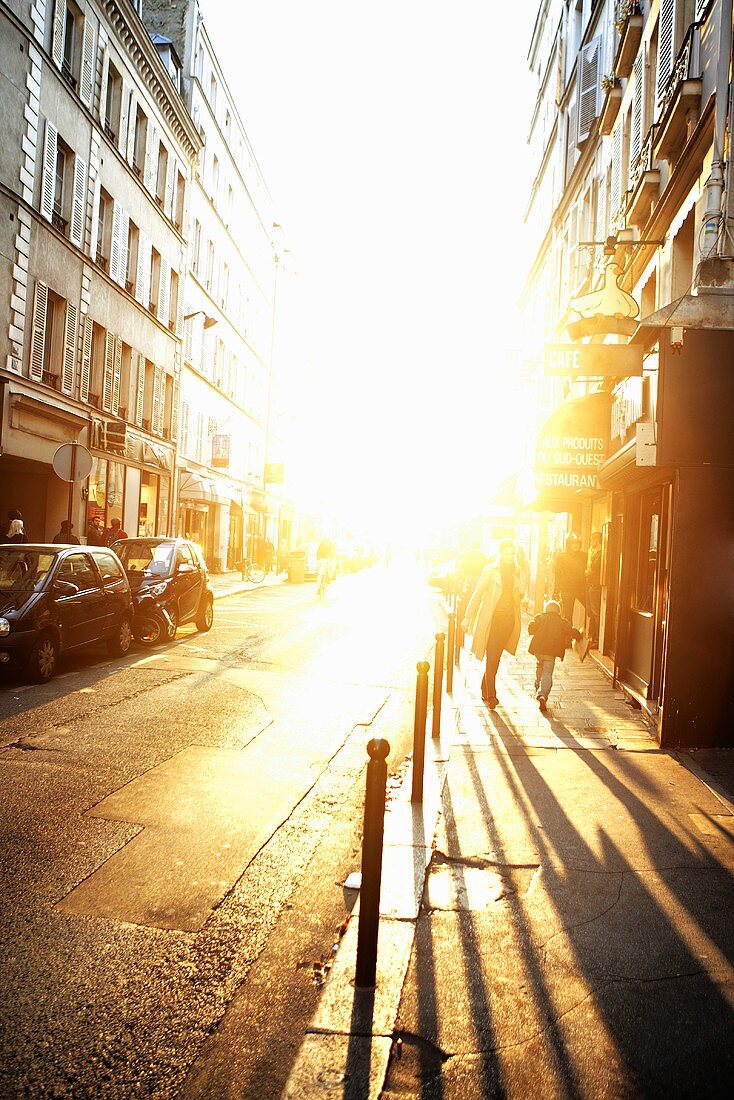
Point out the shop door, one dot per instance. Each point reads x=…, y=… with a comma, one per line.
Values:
x=647, y=576
x=611, y=571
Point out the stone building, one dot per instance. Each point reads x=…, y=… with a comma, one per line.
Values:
x=96, y=159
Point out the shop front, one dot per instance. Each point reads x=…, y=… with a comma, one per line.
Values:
x=137, y=493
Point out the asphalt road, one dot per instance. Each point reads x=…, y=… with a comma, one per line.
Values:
x=176, y=829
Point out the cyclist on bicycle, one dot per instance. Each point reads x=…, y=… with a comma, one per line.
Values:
x=326, y=558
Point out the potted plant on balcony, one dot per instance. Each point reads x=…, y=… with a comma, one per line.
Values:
x=625, y=9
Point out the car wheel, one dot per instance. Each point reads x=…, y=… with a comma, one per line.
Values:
x=172, y=627
x=43, y=659
x=150, y=629
x=120, y=643
x=205, y=618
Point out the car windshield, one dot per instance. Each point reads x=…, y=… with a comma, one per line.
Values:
x=22, y=571
x=153, y=559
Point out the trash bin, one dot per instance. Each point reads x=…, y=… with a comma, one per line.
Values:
x=297, y=566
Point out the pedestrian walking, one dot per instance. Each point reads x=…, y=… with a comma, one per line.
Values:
x=570, y=577
x=16, y=532
x=593, y=587
x=95, y=532
x=66, y=534
x=493, y=615
x=551, y=637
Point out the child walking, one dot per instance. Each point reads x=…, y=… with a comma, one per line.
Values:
x=552, y=635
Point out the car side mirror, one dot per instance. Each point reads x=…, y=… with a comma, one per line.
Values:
x=64, y=588
x=184, y=568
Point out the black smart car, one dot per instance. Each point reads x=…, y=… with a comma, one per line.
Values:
x=170, y=586
x=54, y=599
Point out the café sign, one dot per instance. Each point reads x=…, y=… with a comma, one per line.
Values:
x=572, y=446
x=593, y=360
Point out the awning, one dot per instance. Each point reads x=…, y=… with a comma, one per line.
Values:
x=619, y=469
x=208, y=490
x=572, y=445
x=155, y=455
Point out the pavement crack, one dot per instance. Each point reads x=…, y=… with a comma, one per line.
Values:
x=481, y=863
x=590, y=920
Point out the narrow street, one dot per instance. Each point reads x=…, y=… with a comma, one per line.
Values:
x=177, y=827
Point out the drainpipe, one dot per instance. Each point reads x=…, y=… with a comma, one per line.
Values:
x=715, y=215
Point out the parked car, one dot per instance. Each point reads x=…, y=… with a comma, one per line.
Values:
x=170, y=586
x=55, y=598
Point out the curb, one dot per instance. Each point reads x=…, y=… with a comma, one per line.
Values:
x=247, y=586
x=350, y=1036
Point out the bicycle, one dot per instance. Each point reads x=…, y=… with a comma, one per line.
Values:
x=251, y=571
x=325, y=576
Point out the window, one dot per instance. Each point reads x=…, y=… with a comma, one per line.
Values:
x=173, y=304
x=155, y=277
x=213, y=94
x=161, y=173
x=128, y=384
x=104, y=229
x=108, y=566
x=112, y=103
x=65, y=35
x=59, y=172
x=133, y=245
x=196, y=253
x=647, y=560
x=139, y=142
x=178, y=202
x=210, y=266
x=215, y=177
x=77, y=570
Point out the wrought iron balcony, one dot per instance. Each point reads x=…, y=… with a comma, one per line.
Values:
x=680, y=101
x=644, y=182
x=629, y=21
x=58, y=222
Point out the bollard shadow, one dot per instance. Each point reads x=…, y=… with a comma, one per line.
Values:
x=359, y=1049
x=652, y=962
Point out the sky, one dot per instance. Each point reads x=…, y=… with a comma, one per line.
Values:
x=392, y=137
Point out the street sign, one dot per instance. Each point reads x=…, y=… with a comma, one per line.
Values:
x=594, y=360
x=72, y=455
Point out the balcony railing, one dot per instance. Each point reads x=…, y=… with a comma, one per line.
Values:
x=58, y=222
x=623, y=9
x=680, y=100
x=644, y=162
x=68, y=76
x=687, y=66
x=110, y=133
x=629, y=23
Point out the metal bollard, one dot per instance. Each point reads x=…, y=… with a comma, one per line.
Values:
x=369, y=895
x=419, y=730
x=437, y=686
x=450, y=653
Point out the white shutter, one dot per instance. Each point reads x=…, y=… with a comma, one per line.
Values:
x=189, y=340
x=69, y=363
x=108, y=377
x=170, y=180
x=666, y=43
x=140, y=388
x=114, y=268
x=637, y=100
x=142, y=276
x=184, y=434
x=86, y=83
x=86, y=368
x=124, y=118
x=158, y=401
x=151, y=158
x=38, y=339
x=124, y=235
x=701, y=6
x=164, y=292
x=103, y=85
x=616, y=171
x=78, y=202
x=116, y=374
x=175, y=408
x=132, y=119
x=57, y=38
x=48, y=177
x=589, y=87
x=94, y=232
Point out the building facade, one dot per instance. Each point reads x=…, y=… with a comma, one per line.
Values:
x=230, y=303
x=98, y=153
x=632, y=197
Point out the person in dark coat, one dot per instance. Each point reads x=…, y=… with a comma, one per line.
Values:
x=570, y=577
x=66, y=536
x=16, y=532
x=551, y=637
x=114, y=532
x=95, y=532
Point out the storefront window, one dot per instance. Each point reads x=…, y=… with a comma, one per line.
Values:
x=148, y=504
x=97, y=491
x=647, y=561
x=164, y=492
x=115, y=491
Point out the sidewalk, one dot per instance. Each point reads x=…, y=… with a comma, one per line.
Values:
x=555, y=922
x=230, y=583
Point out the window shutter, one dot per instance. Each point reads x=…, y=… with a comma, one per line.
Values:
x=666, y=43
x=67, y=370
x=180, y=308
x=164, y=292
x=86, y=369
x=189, y=340
x=158, y=401
x=114, y=268
x=142, y=275
x=94, y=230
x=175, y=408
x=151, y=158
x=140, y=391
x=86, y=83
x=589, y=91
x=116, y=374
x=38, y=340
x=108, y=378
x=637, y=100
x=57, y=39
x=168, y=195
x=124, y=119
x=124, y=235
x=701, y=6
x=616, y=172
x=78, y=202
x=48, y=178
x=103, y=85
x=184, y=436
x=131, y=121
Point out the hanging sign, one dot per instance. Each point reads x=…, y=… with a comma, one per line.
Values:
x=593, y=360
x=220, y=452
x=572, y=445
